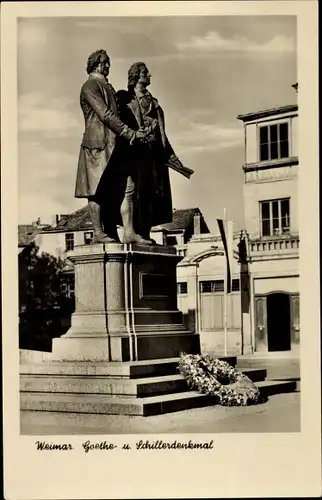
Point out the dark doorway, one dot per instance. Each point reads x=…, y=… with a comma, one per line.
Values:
x=278, y=322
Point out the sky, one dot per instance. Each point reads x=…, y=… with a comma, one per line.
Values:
x=205, y=71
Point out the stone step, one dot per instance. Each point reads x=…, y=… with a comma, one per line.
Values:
x=277, y=369
x=272, y=387
x=109, y=405
x=114, y=405
x=130, y=369
x=143, y=387
x=255, y=374
x=127, y=369
x=92, y=384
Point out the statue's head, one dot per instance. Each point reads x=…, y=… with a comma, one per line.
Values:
x=138, y=73
x=99, y=62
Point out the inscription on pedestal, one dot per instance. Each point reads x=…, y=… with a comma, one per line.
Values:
x=154, y=286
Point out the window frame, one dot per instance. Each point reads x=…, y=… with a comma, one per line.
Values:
x=268, y=126
x=280, y=231
x=92, y=235
x=220, y=286
x=71, y=289
x=179, y=288
x=171, y=240
x=67, y=241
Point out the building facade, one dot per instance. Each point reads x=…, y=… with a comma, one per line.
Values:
x=271, y=215
x=201, y=297
x=262, y=312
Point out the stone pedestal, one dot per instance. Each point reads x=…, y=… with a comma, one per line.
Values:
x=126, y=306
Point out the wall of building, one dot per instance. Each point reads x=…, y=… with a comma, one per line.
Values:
x=54, y=243
x=287, y=284
x=275, y=267
x=158, y=236
x=272, y=182
x=269, y=186
x=205, y=311
x=294, y=135
x=251, y=143
x=212, y=267
x=273, y=275
x=200, y=244
x=213, y=343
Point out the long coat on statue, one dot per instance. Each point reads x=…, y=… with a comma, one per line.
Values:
x=98, y=172
x=148, y=162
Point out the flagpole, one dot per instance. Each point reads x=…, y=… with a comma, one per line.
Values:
x=225, y=289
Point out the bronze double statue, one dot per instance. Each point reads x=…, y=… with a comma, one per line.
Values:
x=125, y=155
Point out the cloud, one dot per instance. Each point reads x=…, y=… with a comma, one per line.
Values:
x=201, y=137
x=214, y=42
x=46, y=182
x=53, y=116
x=107, y=25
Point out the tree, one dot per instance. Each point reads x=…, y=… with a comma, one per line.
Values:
x=43, y=301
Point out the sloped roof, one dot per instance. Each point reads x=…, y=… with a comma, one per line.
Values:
x=78, y=220
x=182, y=219
x=81, y=220
x=267, y=112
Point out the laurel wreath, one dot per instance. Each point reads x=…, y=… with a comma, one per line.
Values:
x=214, y=377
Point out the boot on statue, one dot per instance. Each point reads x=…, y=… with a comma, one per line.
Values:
x=99, y=235
x=130, y=236
x=144, y=231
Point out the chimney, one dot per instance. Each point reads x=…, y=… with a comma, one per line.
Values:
x=197, y=223
x=54, y=220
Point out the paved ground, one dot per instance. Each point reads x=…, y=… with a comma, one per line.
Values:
x=280, y=414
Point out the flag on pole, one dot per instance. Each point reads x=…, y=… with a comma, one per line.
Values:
x=226, y=233
x=242, y=248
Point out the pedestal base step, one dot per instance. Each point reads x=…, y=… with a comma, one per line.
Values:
x=148, y=387
x=92, y=384
x=271, y=387
x=84, y=403
x=113, y=405
x=167, y=342
x=129, y=369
